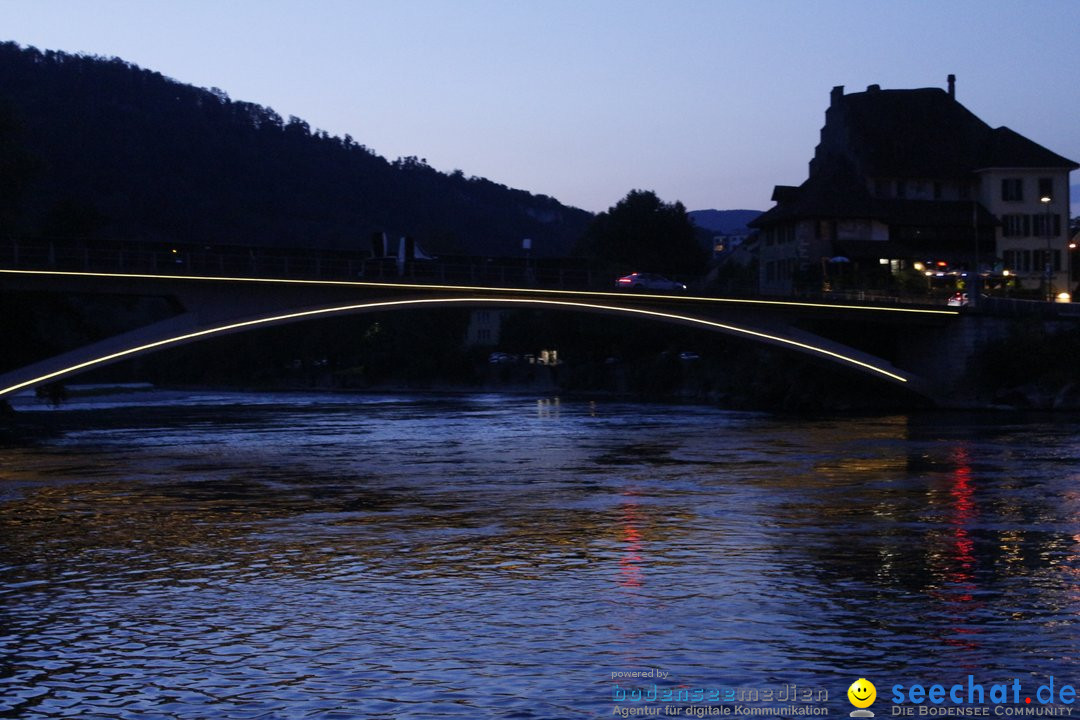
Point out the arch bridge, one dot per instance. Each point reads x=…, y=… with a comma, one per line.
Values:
x=214, y=305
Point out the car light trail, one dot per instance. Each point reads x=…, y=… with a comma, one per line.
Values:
x=471, y=300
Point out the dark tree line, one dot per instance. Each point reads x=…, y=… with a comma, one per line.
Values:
x=643, y=233
x=95, y=147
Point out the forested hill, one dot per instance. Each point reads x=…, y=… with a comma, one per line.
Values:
x=99, y=148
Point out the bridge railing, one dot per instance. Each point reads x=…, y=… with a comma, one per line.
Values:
x=308, y=265
x=237, y=261
x=1020, y=308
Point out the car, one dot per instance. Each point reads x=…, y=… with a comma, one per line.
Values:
x=959, y=299
x=647, y=281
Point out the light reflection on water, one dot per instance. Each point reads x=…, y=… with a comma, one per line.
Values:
x=488, y=556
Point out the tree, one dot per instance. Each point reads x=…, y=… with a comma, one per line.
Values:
x=643, y=233
x=165, y=162
x=16, y=170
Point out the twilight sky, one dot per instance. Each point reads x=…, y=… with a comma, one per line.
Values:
x=711, y=102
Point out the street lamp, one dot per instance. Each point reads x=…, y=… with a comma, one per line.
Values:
x=1045, y=200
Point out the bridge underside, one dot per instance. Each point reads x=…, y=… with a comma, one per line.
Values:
x=215, y=307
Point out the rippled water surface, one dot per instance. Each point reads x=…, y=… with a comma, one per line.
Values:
x=326, y=556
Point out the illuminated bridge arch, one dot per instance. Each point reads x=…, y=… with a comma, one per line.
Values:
x=174, y=335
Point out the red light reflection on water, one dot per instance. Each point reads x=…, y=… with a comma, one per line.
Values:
x=962, y=513
x=631, y=574
x=959, y=556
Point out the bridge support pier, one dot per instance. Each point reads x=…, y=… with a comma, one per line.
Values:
x=945, y=356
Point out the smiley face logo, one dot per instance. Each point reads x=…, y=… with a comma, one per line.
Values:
x=862, y=693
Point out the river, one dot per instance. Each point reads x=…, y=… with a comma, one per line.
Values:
x=229, y=555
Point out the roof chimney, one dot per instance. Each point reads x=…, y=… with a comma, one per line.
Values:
x=835, y=95
x=873, y=88
x=952, y=86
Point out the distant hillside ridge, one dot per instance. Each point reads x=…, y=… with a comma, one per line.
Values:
x=95, y=147
x=724, y=222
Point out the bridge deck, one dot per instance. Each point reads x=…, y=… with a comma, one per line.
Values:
x=214, y=305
